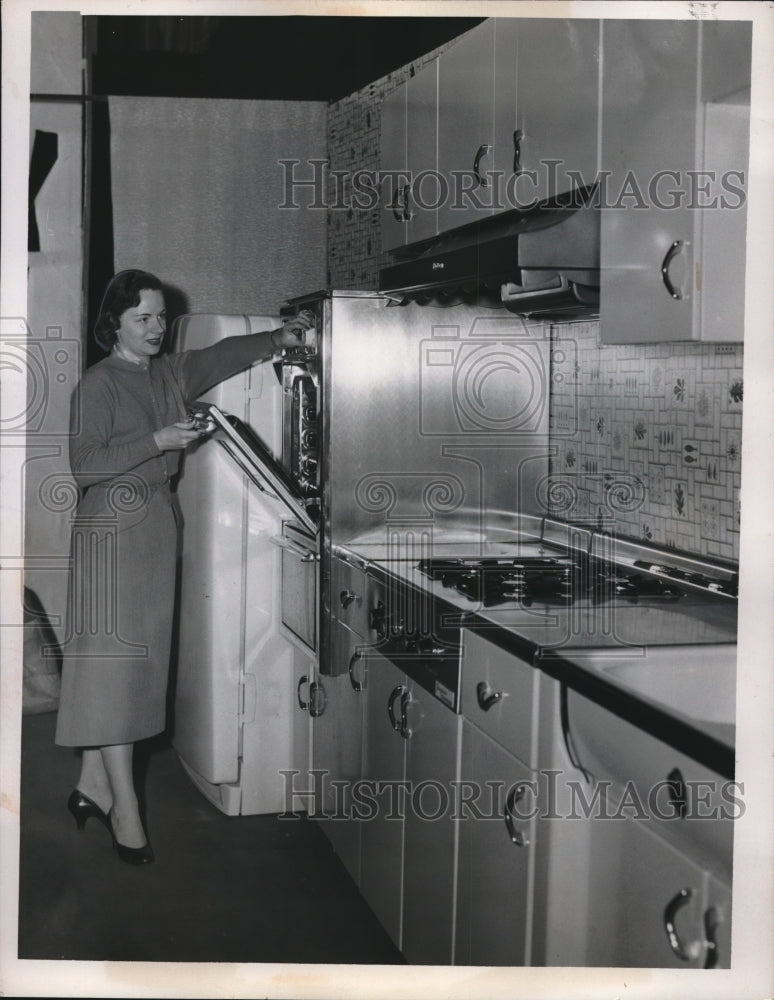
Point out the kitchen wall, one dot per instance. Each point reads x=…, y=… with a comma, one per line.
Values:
x=51, y=346
x=197, y=190
x=646, y=438
x=664, y=423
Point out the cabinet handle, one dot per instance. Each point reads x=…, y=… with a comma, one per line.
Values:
x=395, y=206
x=408, y=215
x=356, y=684
x=347, y=597
x=711, y=938
x=400, y=204
x=317, y=699
x=670, y=913
x=518, y=135
x=486, y=696
x=677, y=792
x=670, y=255
x=515, y=795
x=395, y=693
x=303, y=705
x=482, y=152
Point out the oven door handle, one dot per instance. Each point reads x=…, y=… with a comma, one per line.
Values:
x=305, y=555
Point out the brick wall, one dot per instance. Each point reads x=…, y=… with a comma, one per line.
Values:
x=354, y=124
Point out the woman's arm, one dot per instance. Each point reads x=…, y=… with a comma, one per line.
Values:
x=93, y=459
x=202, y=369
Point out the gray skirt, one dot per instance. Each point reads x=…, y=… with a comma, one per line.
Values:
x=121, y=599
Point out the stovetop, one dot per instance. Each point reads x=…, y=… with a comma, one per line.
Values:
x=558, y=579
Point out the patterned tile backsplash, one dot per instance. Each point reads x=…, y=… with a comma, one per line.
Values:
x=646, y=438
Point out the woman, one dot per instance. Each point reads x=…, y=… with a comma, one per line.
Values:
x=128, y=429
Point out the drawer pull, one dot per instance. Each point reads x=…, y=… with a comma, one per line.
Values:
x=303, y=705
x=486, y=696
x=347, y=597
x=671, y=253
x=670, y=915
x=357, y=685
x=482, y=151
x=395, y=693
x=405, y=729
x=515, y=795
x=710, y=938
x=317, y=699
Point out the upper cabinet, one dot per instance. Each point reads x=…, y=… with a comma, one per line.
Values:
x=504, y=117
x=409, y=159
x=546, y=113
x=674, y=152
x=521, y=109
x=466, y=101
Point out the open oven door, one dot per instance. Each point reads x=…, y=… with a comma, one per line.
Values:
x=257, y=463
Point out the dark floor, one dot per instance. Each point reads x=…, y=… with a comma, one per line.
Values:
x=231, y=889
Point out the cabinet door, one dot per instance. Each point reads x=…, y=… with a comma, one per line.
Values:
x=466, y=127
x=649, y=114
x=645, y=905
x=421, y=154
x=495, y=860
x=393, y=164
x=674, y=152
x=430, y=834
x=337, y=751
x=381, y=822
x=557, y=99
x=303, y=681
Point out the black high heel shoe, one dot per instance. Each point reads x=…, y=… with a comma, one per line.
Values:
x=82, y=808
x=131, y=855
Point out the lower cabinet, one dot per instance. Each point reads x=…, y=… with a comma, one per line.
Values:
x=408, y=833
x=496, y=854
x=378, y=814
x=660, y=848
x=498, y=836
x=649, y=904
x=337, y=748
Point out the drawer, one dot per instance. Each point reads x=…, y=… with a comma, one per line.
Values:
x=500, y=696
x=349, y=603
x=639, y=769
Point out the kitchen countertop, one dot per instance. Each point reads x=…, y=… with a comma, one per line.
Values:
x=559, y=638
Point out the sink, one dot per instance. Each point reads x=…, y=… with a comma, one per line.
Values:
x=698, y=682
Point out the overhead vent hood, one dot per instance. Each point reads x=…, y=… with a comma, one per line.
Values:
x=540, y=262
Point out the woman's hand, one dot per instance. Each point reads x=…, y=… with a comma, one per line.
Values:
x=177, y=436
x=292, y=331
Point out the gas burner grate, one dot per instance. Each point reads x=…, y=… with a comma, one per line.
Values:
x=492, y=581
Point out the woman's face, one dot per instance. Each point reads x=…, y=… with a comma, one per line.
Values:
x=141, y=328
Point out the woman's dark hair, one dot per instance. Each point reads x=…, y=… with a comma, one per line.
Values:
x=123, y=292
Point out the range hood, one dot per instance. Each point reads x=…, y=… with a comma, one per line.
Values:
x=539, y=262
